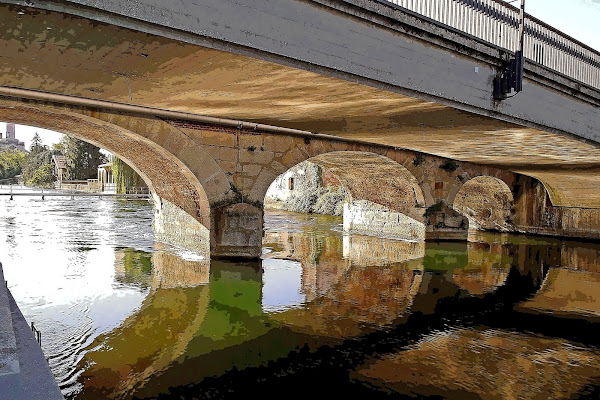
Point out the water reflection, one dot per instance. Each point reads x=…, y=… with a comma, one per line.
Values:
x=485, y=364
x=487, y=268
x=570, y=293
x=126, y=317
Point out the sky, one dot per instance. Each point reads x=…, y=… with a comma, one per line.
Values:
x=579, y=19
x=25, y=134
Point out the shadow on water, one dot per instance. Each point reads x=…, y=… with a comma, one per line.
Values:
x=328, y=314
x=334, y=315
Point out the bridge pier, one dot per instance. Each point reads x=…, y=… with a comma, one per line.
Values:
x=236, y=231
x=443, y=223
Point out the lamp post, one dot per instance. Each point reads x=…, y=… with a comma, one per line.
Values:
x=519, y=53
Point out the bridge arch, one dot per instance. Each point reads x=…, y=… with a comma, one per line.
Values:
x=174, y=187
x=375, y=185
x=487, y=202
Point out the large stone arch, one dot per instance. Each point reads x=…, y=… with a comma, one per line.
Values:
x=373, y=177
x=174, y=186
x=487, y=202
x=384, y=198
x=354, y=165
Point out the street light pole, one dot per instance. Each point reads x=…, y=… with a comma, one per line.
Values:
x=519, y=53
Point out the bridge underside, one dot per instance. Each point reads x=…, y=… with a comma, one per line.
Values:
x=61, y=53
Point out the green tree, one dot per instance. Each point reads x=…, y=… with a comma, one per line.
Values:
x=82, y=159
x=11, y=164
x=38, y=169
x=125, y=176
x=43, y=176
x=37, y=145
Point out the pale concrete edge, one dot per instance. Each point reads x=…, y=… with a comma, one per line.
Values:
x=36, y=379
x=9, y=361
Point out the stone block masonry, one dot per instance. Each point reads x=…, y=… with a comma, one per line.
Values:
x=370, y=218
x=175, y=227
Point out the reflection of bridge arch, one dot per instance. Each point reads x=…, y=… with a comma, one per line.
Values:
x=118, y=363
x=348, y=283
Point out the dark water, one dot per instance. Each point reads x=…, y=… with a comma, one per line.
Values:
x=323, y=314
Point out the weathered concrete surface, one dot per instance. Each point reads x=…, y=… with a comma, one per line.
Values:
x=370, y=47
x=366, y=217
x=24, y=372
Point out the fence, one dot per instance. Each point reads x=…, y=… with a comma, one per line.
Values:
x=496, y=22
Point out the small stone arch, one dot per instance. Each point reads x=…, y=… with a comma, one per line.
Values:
x=487, y=202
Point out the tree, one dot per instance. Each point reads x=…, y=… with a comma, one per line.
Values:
x=36, y=144
x=82, y=159
x=43, y=176
x=38, y=169
x=11, y=164
x=125, y=176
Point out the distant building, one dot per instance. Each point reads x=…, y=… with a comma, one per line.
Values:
x=60, y=167
x=106, y=178
x=11, y=142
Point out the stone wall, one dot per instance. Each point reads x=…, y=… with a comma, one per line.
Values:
x=176, y=227
x=363, y=216
x=301, y=177
x=535, y=214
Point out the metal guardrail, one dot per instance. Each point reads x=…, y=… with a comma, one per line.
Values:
x=130, y=192
x=37, y=333
x=497, y=22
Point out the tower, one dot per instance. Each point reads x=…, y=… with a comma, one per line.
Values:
x=10, y=131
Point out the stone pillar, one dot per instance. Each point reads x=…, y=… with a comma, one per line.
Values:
x=236, y=231
x=175, y=227
x=443, y=223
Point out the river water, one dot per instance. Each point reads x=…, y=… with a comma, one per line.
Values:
x=322, y=314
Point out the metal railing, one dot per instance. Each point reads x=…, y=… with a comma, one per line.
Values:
x=497, y=22
x=37, y=334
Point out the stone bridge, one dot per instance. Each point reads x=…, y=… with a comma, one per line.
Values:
x=209, y=180
x=402, y=100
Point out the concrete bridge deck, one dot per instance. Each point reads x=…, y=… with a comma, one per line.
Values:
x=24, y=372
x=153, y=82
